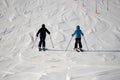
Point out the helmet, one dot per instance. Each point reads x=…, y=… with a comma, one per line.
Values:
x=43, y=25
x=77, y=27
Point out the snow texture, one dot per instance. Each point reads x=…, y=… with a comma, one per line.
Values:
x=21, y=19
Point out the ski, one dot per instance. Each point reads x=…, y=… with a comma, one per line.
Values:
x=81, y=50
x=43, y=49
x=77, y=50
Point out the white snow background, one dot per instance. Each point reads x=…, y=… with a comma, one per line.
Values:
x=21, y=19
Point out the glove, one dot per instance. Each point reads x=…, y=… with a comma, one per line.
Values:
x=82, y=34
x=72, y=35
x=36, y=35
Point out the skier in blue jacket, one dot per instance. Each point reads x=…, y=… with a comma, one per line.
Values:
x=78, y=33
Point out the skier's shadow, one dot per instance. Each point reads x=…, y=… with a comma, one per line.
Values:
x=58, y=50
x=86, y=50
x=102, y=50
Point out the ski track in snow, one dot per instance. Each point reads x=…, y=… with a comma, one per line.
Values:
x=21, y=19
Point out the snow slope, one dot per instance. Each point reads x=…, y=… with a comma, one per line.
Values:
x=21, y=19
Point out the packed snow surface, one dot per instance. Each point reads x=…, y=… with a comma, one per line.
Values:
x=21, y=19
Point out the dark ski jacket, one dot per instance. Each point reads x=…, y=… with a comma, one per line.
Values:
x=78, y=32
x=42, y=31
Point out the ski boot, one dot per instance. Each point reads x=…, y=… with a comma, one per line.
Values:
x=43, y=48
x=40, y=49
x=81, y=50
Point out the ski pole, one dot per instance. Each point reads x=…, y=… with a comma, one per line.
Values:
x=83, y=3
x=96, y=5
x=85, y=43
x=107, y=5
x=68, y=44
x=34, y=42
x=51, y=42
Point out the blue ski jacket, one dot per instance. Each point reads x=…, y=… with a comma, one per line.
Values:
x=78, y=32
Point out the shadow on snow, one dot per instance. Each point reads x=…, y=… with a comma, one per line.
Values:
x=84, y=50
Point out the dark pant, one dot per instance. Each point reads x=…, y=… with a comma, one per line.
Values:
x=78, y=41
x=42, y=41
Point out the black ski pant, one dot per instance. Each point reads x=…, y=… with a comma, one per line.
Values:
x=42, y=41
x=78, y=42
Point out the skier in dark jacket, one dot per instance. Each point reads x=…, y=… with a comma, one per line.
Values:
x=42, y=31
x=78, y=34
